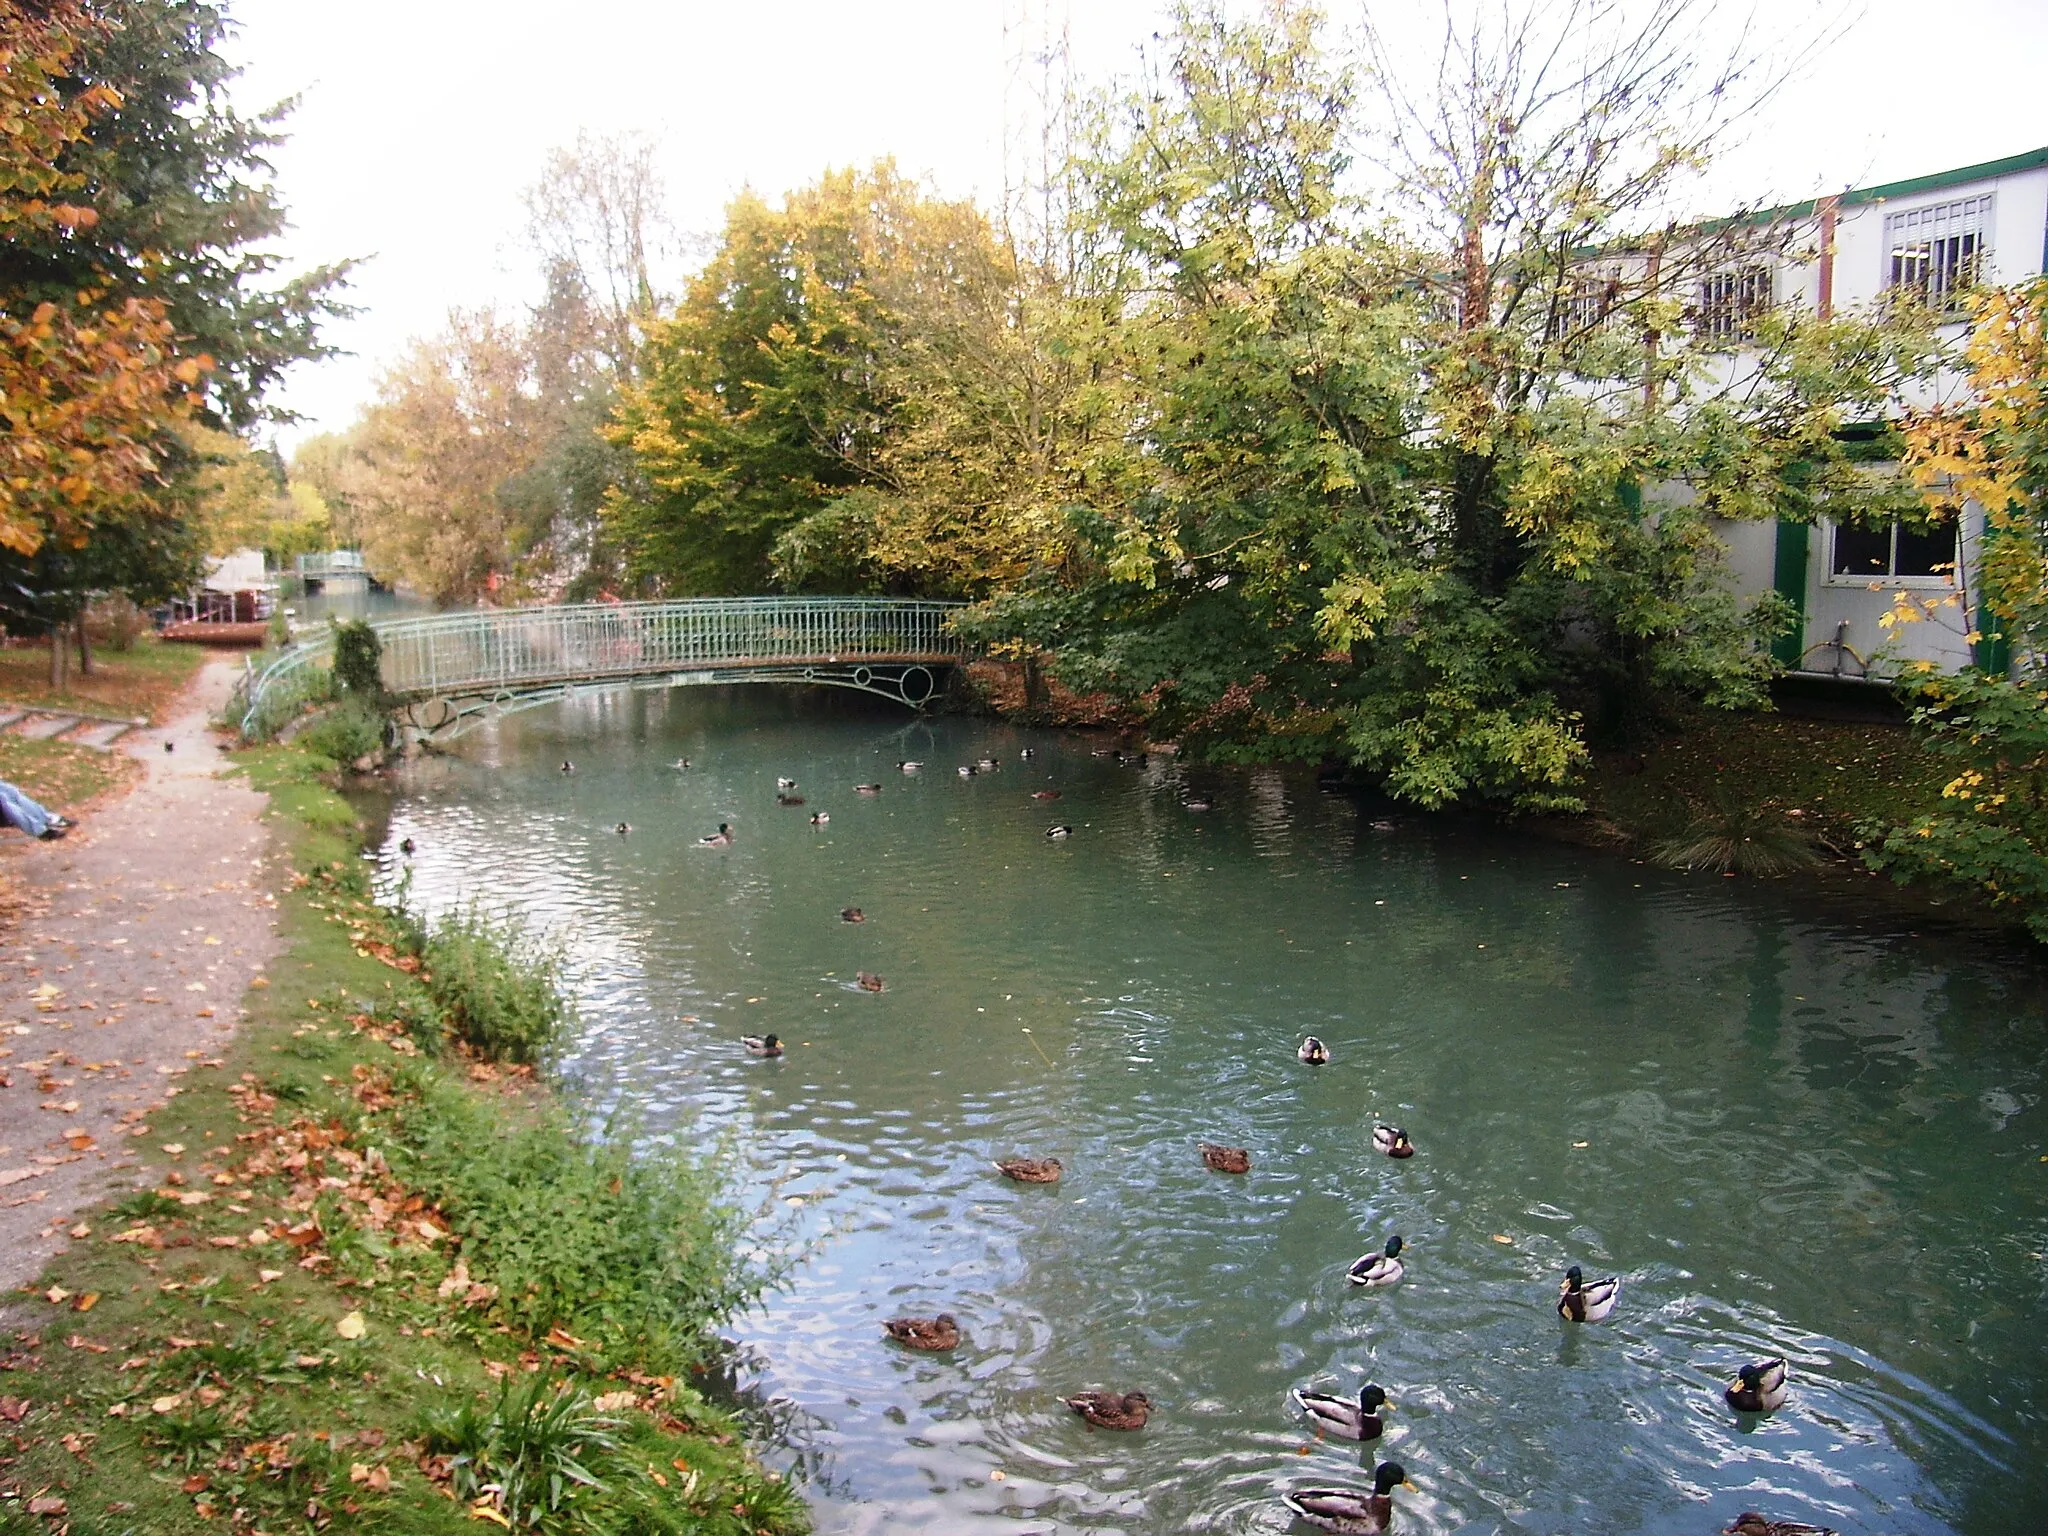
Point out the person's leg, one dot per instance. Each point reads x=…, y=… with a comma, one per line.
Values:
x=22, y=812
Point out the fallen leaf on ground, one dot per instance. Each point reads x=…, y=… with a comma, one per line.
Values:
x=352, y=1326
x=483, y=1511
x=14, y=1409
x=56, y=1294
x=168, y=1404
x=265, y=1276
x=87, y=1302
x=46, y=1504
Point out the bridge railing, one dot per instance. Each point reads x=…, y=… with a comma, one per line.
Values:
x=506, y=649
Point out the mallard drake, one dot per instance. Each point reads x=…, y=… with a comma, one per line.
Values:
x=1392, y=1140
x=940, y=1332
x=1026, y=753
x=965, y=770
x=1045, y=794
x=785, y=799
x=1030, y=1170
x=762, y=1045
x=406, y=847
x=1758, y=1388
x=1112, y=1410
x=1196, y=804
x=785, y=783
x=722, y=838
x=1750, y=1523
x=1056, y=833
x=908, y=767
x=567, y=766
x=1382, y=1268
x=820, y=818
x=1313, y=1051
x=681, y=765
x=1581, y=1301
x=867, y=789
x=1226, y=1159
x=1351, y=1511
x=868, y=981
x=1348, y=1418
x=622, y=829
x=986, y=765
x=852, y=915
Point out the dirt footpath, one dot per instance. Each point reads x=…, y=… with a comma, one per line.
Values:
x=144, y=928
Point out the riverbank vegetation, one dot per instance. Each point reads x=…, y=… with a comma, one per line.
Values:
x=381, y=1280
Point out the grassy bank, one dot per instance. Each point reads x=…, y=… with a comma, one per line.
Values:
x=139, y=681
x=382, y=1284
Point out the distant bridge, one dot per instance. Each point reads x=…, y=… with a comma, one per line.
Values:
x=453, y=671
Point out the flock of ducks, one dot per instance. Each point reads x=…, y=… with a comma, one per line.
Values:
x=1758, y=1388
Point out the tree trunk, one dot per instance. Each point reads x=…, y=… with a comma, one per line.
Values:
x=84, y=651
x=60, y=656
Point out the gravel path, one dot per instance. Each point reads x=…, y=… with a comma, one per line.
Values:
x=144, y=929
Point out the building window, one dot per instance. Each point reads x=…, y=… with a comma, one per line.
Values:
x=1729, y=303
x=1938, y=251
x=1894, y=552
x=1589, y=299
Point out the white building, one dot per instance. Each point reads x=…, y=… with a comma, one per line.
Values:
x=1938, y=234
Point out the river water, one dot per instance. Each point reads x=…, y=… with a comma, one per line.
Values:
x=1788, y=1134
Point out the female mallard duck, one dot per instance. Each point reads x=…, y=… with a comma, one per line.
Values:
x=867, y=789
x=1351, y=1511
x=762, y=1045
x=1045, y=794
x=1758, y=1388
x=1226, y=1159
x=933, y=1333
x=722, y=838
x=1056, y=833
x=868, y=981
x=1348, y=1418
x=783, y=799
x=1750, y=1523
x=1112, y=1410
x=1392, y=1140
x=1313, y=1051
x=1030, y=1170
x=852, y=915
x=1382, y=1268
x=1582, y=1301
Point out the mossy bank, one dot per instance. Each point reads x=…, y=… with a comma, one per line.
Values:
x=384, y=1283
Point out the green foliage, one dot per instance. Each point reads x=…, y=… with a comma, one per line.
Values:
x=635, y=1250
x=1739, y=835
x=358, y=661
x=533, y=1448
x=1992, y=831
x=350, y=730
x=497, y=992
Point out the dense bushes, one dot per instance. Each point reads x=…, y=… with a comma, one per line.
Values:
x=496, y=991
x=351, y=730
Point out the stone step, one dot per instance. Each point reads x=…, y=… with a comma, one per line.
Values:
x=9, y=716
x=100, y=735
x=43, y=727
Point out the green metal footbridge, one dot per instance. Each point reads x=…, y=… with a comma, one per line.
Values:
x=454, y=671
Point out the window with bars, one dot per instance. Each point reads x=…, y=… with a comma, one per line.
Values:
x=1589, y=300
x=1938, y=251
x=1729, y=303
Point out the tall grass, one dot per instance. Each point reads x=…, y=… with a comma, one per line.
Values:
x=499, y=992
x=1739, y=837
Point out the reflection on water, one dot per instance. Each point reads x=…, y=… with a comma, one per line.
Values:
x=1787, y=1136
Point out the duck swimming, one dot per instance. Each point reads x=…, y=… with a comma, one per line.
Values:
x=930, y=1333
x=1382, y=1268
x=1351, y=1511
x=622, y=829
x=820, y=818
x=1580, y=1302
x=1314, y=1052
x=567, y=766
x=1226, y=1159
x=909, y=767
x=1030, y=1170
x=1195, y=805
x=762, y=1045
x=1056, y=833
x=867, y=789
x=406, y=847
x=966, y=770
x=868, y=981
x=1758, y=1388
x=722, y=838
x=852, y=915
x=1112, y=1410
x=1750, y=1523
x=1045, y=794
x=681, y=765
x=785, y=783
x=986, y=765
x=1348, y=1418
x=1026, y=753
x=1392, y=1140
x=787, y=799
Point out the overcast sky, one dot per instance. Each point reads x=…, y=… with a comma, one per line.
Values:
x=421, y=121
